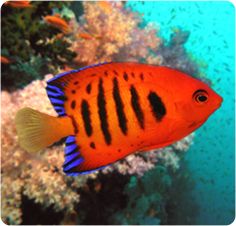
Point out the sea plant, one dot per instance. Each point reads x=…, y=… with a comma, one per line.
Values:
x=33, y=47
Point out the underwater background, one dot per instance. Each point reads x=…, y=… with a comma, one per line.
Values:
x=190, y=182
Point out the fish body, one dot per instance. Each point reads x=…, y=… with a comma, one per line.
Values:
x=5, y=60
x=115, y=109
x=58, y=22
x=19, y=4
x=84, y=35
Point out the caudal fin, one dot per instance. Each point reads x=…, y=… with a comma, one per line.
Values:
x=37, y=130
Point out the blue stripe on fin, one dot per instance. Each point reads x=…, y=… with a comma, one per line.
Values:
x=70, y=157
x=53, y=94
x=73, y=164
x=54, y=89
x=74, y=71
x=61, y=112
x=70, y=149
x=57, y=108
x=72, y=154
x=56, y=101
x=76, y=173
x=70, y=139
x=71, y=146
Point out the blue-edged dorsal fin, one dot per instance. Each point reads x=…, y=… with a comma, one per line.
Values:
x=56, y=88
x=57, y=98
x=61, y=80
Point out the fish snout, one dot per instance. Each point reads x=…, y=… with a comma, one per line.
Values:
x=217, y=102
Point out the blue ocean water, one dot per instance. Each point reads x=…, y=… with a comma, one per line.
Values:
x=211, y=43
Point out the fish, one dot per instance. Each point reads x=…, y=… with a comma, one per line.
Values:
x=88, y=36
x=5, y=60
x=84, y=35
x=110, y=110
x=58, y=22
x=18, y=4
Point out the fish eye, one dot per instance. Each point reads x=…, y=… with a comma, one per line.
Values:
x=200, y=96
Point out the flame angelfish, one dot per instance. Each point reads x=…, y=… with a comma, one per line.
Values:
x=58, y=22
x=111, y=110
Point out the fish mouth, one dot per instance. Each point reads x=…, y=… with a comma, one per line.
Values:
x=196, y=124
x=218, y=103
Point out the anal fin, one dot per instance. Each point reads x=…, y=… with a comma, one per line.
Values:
x=72, y=156
x=75, y=164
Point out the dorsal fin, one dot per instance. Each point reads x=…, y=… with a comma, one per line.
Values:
x=57, y=98
x=55, y=88
x=61, y=80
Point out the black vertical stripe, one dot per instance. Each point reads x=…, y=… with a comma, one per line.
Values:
x=88, y=88
x=125, y=76
x=86, y=117
x=157, y=106
x=92, y=145
x=74, y=123
x=136, y=106
x=141, y=76
x=115, y=72
x=119, y=107
x=101, y=102
x=73, y=104
x=106, y=73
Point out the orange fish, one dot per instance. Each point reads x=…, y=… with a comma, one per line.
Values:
x=19, y=4
x=58, y=22
x=88, y=36
x=5, y=60
x=111, y=110
x=85, y=36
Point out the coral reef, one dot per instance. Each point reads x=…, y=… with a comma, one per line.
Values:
x=108, y=32
x=34, y=48
x=157, y=197
x=173, y=54
x=146, y=199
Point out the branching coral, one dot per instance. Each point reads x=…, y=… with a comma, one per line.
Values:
x=146, y=199
x=173, y=54
x=37, y=176
x=108, y=32
x=33, y=47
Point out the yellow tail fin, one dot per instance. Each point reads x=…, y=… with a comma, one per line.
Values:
x=37, y=130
